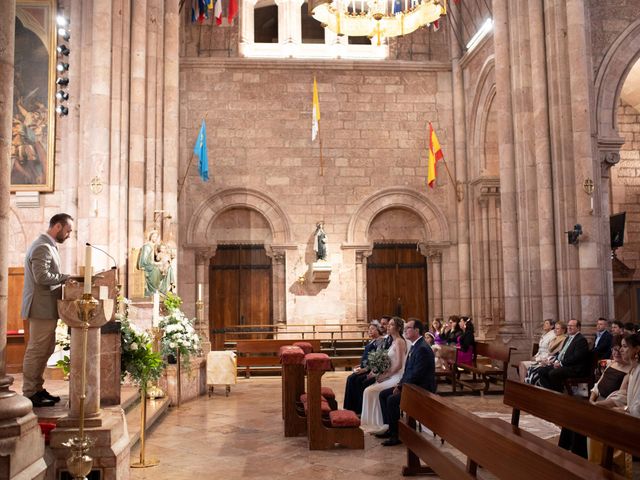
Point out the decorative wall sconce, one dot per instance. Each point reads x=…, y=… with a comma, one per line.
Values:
x=573, y=235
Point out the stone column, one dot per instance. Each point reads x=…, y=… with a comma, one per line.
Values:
x=246, y=21
x=485, y=279
x=508, y=192
x=202, y=257
x=278, y=286
x=21, y=444
x=460, y=143
x=361, y=284
x=435, y=260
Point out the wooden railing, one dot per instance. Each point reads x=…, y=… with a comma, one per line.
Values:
x=345, y=331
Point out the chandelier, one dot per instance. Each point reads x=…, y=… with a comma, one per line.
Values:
x=376, y=18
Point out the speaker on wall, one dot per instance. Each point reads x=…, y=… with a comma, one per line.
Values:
x=616, y=226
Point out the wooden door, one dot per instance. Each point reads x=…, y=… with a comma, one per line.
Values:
x=397, y=282
x=240, y=288
x=627, y=301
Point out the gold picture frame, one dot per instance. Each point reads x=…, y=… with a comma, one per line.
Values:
x=34, y=101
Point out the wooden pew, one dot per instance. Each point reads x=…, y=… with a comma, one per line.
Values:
x=292, y=360
x=263, y=353
x=613, y=429
x=498, y=450
x=490, y=362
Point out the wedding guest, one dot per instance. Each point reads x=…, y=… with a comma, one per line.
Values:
x=436, y=331
x=429, y=338
x=602, y=343
x=629, y=328
x=548, y=335
x=617, y=327
x=612, y=377
x=384, y=324
x=466, y=342
x=533, y=372
x=359, y=379
x=371, y=418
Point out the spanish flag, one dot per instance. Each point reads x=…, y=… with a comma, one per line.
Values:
x=435, y=154
x=315, y=120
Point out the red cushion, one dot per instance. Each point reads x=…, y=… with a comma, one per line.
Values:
x=324, y=406
x=317, y=361
x=326, y=392
x=305, y=346
x=46, y=430
x=344, y=418
x=290, y=355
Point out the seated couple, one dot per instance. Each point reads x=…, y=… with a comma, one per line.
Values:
x=412, y=361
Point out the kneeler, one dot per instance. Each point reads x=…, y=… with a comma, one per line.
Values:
x=292, y=360
x=343, y=425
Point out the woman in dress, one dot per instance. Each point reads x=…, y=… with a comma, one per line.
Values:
x=548, y=334
x=613, y=375
x=371, y=418
x=555, y=345
x=466, y=341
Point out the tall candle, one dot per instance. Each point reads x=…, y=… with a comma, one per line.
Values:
x=199, y=292
x=87, y=269
x=155, y=317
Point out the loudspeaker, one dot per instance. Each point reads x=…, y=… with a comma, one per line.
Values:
x=616, y=226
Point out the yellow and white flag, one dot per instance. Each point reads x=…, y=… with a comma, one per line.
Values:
x=315, y=121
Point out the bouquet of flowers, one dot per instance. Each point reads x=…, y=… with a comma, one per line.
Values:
x=137, y=357
x=179, y=334
x=63, y=341
x=379, y=361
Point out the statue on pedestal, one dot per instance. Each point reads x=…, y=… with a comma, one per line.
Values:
x=155, y=259
x=320, y=242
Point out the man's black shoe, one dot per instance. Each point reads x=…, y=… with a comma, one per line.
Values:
x=385, y=434
x=39, y=400
x=48, y=396
x=392, y=442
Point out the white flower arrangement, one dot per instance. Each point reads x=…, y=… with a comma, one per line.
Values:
x=179, y=334
x=63, y=337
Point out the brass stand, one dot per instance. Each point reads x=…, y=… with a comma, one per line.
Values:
x=79, y=463
x=178, y=370
x=143, y=463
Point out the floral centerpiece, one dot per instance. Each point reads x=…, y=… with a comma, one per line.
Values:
x=137, y=357
x=179, y=335
x=379, y=361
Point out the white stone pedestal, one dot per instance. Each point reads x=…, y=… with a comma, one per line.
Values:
x=320, y=271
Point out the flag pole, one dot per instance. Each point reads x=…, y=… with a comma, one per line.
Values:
x=193, y=154
x=321, y=160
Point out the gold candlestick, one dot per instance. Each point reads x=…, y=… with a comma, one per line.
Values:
x=144, y=463
x=154, y=391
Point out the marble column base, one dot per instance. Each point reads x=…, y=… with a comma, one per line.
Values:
x=111, y=451
x=21, y=440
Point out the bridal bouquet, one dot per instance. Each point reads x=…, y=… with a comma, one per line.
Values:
x=379, y=361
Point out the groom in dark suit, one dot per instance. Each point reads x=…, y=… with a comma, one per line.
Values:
x=419, y=370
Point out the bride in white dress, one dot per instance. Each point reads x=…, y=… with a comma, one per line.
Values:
x=371, y=419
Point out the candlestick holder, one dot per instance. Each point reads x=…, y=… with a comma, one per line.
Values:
x=154, y=391
x=144, y=462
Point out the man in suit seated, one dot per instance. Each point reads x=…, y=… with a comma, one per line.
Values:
x=419, y=369
x=360, y=378
x=573, y=359
x=603, y=341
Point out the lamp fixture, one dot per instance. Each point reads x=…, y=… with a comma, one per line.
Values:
x=62, y=21
x=62, y=67
x=62, y=81
x=574, y=235
x=63, y=50
x=62, y=95
x=376, y=18
x=62, y=110
x=64, y=33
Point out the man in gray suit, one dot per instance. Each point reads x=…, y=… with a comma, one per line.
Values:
x=43, y=282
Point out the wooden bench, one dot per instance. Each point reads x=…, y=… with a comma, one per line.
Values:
x=613, y=429
x=498, y=449
x=342, y=427
x=490, y=363
x=264, y=353
x=292, y=360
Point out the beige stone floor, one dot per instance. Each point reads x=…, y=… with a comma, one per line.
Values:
x=240, y=436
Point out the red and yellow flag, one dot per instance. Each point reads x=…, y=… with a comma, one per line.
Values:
x=435, y=154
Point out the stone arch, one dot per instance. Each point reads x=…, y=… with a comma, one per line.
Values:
x=485, y=92
x=434, y=221
x=612, y=73
x=224, y=200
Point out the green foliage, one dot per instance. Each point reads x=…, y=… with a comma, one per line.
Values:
x=379, y=361
x=137, y=357
x=172, y=301
x=65, y=364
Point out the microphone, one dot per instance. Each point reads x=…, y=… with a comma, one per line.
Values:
x=115, y=264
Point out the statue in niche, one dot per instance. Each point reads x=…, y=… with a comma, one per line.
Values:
x=320, y=242
x=155, y=259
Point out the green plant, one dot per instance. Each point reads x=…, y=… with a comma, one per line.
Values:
x=65, y=364
x=137, y=357
x=172, y=302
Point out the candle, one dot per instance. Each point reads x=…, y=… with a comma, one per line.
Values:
x=199, y=292
x=155, y=316
x=87, y=269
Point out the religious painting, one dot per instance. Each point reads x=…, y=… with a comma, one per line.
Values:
x=33, y=126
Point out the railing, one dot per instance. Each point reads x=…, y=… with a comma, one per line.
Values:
x=345, y=331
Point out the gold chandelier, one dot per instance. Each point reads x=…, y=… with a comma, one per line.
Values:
x=376, y=18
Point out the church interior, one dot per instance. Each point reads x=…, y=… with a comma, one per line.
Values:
x=239, y=176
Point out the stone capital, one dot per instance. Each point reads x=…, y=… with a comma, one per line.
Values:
x=362, y=255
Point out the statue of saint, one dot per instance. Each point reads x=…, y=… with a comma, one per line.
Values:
x=320, y=242
x=148, y=264
x=164, y=257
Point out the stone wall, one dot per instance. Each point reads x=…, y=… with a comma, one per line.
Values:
x=373, y=127
x=625, y=185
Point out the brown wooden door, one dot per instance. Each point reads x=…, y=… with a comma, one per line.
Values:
x=240, y=287
x=627, y=301
x=396, y=282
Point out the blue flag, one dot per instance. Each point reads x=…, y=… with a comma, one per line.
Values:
x=200, y=149
x=397, y=6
